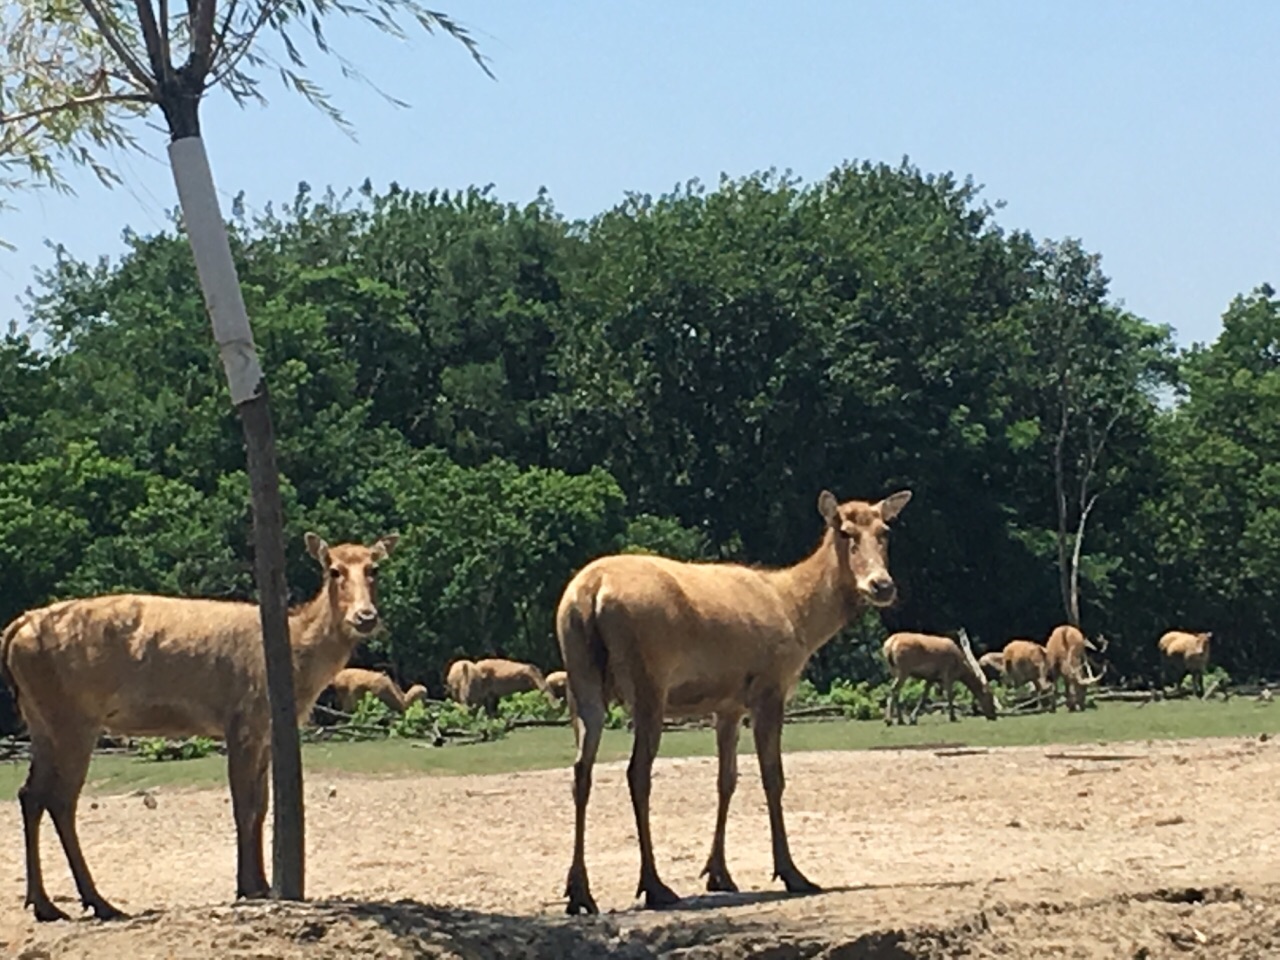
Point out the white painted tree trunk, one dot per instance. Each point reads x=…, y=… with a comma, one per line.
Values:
x=220, y=284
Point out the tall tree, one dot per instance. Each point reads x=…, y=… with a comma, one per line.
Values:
x=74, y=77
x=1099, y=367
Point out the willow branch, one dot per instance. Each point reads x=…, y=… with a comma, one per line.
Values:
x=134, y=66
x=246, y=40
x=74, y=103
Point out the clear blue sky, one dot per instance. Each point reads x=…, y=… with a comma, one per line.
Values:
x=1147, y=129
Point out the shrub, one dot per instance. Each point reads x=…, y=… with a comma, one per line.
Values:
x=156, y=749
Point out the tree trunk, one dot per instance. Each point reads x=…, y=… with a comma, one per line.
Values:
x=207, y=233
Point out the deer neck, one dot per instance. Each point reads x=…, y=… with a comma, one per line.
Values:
x=320, y=648
x=815, y=590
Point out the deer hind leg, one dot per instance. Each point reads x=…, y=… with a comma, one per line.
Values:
x=248, y=762
x=716, y=871
x=72, y=748
x=32, y=796
x=587, y=708
x=924, y=698
x=894, y=702
x=647, y=717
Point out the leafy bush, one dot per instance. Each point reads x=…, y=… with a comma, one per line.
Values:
x=156, y=749
x=531, y=705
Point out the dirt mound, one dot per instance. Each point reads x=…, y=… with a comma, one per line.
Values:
x=1219, y=922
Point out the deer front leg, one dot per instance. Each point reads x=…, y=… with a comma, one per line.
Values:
x=766, y=726
x=717, y=871
x=247, y=765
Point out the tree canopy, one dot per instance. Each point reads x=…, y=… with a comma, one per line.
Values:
x=517, y=393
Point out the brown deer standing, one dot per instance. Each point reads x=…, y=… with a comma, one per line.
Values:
x=1068, y=660
x=1025, y=661
x=140, y=665
x=1182, y=653
x=690, y=639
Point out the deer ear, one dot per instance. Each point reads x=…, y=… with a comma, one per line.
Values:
x=892, y=505
x=829, y=507
x=317, y=548
x=382, y=549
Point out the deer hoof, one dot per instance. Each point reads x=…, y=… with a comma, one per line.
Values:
x=797, y=882
x=718, y=879
x=657, y=895
x=580, y=899
x=105, y=911
x=46, y=912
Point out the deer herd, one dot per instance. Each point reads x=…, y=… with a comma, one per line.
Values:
x=667, y=639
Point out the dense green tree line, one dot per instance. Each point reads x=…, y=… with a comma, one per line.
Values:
x=517, y=393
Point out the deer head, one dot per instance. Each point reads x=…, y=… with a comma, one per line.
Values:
x=352, y=576
x=862, y=538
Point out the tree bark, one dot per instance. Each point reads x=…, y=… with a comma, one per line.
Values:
x=220, y=285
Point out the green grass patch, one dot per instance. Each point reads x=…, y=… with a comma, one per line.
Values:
x=543, y=748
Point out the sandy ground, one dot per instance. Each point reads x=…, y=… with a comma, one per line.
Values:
x=1172, y=852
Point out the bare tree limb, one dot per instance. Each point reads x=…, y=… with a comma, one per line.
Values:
x=166, y=51
x=202, y=19
x=161, y=68
x=1076, y=550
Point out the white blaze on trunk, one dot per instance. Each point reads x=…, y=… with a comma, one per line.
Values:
x=212, y=250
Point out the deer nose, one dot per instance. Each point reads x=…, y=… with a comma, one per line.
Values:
x=883, y=589
x=365, y=619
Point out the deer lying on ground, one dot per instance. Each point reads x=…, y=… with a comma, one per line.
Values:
x=482, y=683
x=1068, y=660
x=140, y=665
x=557, y=684
x=350, y=686
x=1027, y=662
x=677, y=639
x=937, y=660
x=1185, y=653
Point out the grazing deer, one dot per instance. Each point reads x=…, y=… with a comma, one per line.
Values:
x=1069, y=661
x=482, y=683
x=350, y=686
x=140, y=665
x=557, y=684
x=1026, y=662
x=679, y=639
x=937, y=660
x=1182, y=653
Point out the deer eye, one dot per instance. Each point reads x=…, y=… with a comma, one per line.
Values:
x=335, y=573
x=372, y=573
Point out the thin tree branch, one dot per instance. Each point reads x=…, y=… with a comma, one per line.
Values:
x=73, y=104
x=113, y=40
x=219, y=43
